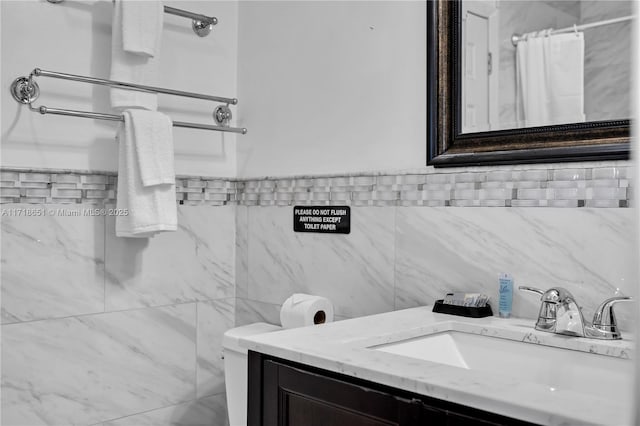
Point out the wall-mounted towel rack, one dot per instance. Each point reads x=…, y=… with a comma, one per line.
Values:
x=25, y=90
x=201, y=24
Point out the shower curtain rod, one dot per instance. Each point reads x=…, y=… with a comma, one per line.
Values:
x=516, y=38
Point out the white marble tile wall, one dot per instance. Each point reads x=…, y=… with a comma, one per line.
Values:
x=203, y=412
x=101, y=330
x=52, y=265
x=173, y=267
x=590, y=252
x=242, y=269
x=135, y=343
x=355, y=271
x=214, y=318
x=608, y=60
x=250, y=311
x=592, y=184
x=85, y=369
x=399, y=257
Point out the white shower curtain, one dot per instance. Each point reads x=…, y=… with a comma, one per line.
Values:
x=550, y=79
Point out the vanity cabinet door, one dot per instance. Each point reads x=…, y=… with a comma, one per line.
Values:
x=455, y=419
x=303, y=398
x=284, y=393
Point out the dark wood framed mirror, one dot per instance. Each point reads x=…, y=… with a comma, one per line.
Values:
x=448, y=145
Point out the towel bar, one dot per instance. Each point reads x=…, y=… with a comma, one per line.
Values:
x=25, y=90
x=100, y=116
x=201, y=24
x=37, y=72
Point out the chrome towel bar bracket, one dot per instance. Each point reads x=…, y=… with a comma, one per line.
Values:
x=25, y=90
x=201, y=24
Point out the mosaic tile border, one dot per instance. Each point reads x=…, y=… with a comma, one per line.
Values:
x=593, y=186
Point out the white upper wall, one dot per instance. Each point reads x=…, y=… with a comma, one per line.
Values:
x=323, y=86
x=331, y=86
x=75, y=37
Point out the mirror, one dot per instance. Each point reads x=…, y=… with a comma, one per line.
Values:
x=528, y=81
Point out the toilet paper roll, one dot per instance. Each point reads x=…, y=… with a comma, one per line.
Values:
x=301, y=310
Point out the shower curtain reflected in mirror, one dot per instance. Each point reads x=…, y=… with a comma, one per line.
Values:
x=550, y=79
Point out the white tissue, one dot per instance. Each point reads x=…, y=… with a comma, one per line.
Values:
x=301, y=310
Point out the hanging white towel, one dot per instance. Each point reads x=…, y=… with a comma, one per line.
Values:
x=550, y=79
x=151, y=209
x=153, y=135
x=131, y=68
x=142, y=26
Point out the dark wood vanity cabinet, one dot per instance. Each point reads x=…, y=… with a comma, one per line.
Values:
x=284, y=393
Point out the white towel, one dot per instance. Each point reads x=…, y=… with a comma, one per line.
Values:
x=152, y=132
x=142, y=27
x=150, y=209
x=131, y=68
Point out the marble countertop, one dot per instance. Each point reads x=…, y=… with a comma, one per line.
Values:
x=343, y=347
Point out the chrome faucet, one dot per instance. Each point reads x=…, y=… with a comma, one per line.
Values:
x=560, y=314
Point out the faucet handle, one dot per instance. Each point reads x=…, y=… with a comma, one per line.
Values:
x=559, y=312
x=531, y=290
x=556, y=295
x=604, y=317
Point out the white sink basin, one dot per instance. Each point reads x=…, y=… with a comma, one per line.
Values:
x=555, y=368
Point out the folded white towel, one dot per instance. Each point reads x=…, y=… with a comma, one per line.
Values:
x=151, y=209
x=142, y=26
x=153, y=133
x=131, y=68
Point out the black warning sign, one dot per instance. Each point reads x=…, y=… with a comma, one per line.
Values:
x=324, y=219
